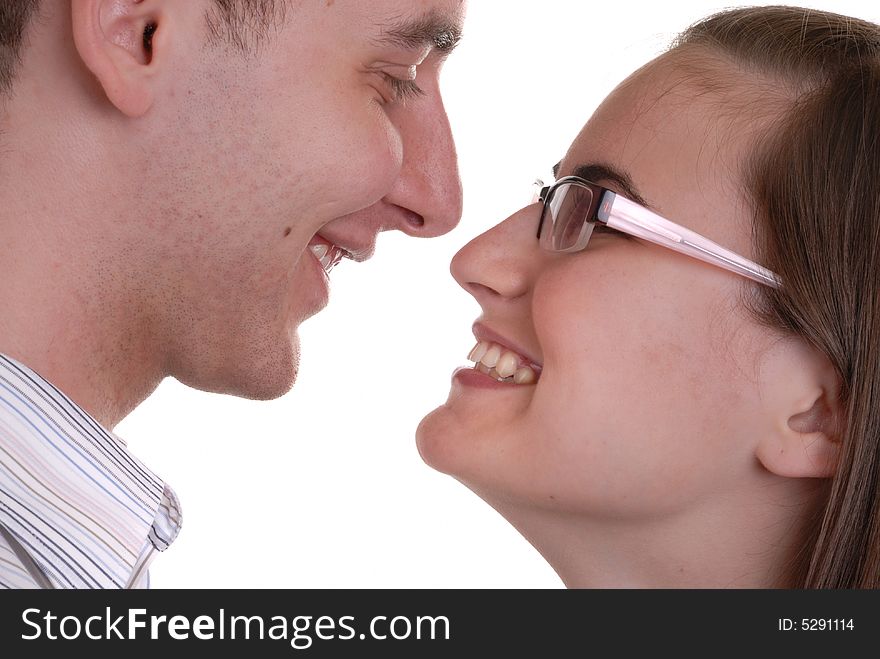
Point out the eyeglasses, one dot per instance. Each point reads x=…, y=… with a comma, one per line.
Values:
x=573, y=206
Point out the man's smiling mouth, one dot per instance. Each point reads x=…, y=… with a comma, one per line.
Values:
x=327, y=254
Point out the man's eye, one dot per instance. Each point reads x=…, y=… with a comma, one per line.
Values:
x=403, y=90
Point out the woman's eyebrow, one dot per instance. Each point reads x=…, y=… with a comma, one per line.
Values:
x=602, y=173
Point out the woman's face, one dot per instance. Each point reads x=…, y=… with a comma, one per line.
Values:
x=648, y=401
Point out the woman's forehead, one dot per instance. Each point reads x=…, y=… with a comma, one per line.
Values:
x=682, y=147
x=684, y=111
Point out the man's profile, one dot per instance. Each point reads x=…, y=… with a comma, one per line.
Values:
x=177, y=181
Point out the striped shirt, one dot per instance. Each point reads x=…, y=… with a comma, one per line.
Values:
x=77, y=510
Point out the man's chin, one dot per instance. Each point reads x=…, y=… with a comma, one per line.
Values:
x=260, y=376
x=262, y=390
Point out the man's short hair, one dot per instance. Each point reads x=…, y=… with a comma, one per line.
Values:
x=242, y=23
x=245, y=23
x=14, y=18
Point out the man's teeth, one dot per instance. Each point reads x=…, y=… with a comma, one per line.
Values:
x=502, y=364
x=327, y=255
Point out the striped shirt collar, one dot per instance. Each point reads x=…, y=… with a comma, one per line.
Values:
x=88, y=513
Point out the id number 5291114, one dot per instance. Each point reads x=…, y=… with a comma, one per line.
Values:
x=816, y=624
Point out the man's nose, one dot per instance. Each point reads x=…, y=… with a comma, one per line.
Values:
x=428, y=188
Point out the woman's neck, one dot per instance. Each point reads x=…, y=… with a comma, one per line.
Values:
x=730, y=542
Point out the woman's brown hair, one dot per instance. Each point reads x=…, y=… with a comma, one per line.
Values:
x=814, y=179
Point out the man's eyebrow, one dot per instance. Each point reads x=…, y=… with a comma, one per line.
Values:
x=431, y=30
x=606, y=173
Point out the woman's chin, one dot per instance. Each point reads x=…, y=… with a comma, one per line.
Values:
x=430, y=442
x=447, y=444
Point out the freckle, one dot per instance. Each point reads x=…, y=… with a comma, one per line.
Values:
x=287, y=232
x=553, y=497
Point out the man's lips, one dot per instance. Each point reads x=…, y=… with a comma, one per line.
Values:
x=355, y=248
x=327, y=254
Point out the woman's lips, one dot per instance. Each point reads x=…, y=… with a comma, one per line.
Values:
x=497, y=367
x=484, y=333
x=503, y=364
x=502, y=359
x=471, y=377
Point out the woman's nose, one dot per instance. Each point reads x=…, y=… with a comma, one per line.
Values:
x=500, y=263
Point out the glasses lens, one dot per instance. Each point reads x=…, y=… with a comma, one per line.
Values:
x=566, y=212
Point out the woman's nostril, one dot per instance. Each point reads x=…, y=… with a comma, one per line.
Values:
x=480, y=291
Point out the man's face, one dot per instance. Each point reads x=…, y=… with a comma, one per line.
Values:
x=260, y=163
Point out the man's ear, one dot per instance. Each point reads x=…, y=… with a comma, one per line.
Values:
x=120, y=42
x=803, y=391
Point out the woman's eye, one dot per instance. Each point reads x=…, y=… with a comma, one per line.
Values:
x=403, y=90
x=605, y=230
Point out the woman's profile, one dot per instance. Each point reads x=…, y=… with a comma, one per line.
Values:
x=676, y=381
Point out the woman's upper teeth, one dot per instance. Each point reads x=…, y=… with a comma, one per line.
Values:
x=503, y=364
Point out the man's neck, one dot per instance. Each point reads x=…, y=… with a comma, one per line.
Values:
x=74, y=326
x=103, y=392
x=72, y=300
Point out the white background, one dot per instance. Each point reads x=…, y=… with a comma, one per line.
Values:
x=324, y=488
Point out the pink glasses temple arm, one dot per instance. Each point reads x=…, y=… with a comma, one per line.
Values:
x=632, y=218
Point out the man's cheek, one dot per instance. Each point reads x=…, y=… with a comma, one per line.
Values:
x=373, y=159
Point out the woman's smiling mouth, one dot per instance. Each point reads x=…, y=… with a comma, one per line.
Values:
x=503, y=364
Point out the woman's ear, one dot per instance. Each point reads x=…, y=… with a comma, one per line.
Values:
x=802, y=389
x=120, y=42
